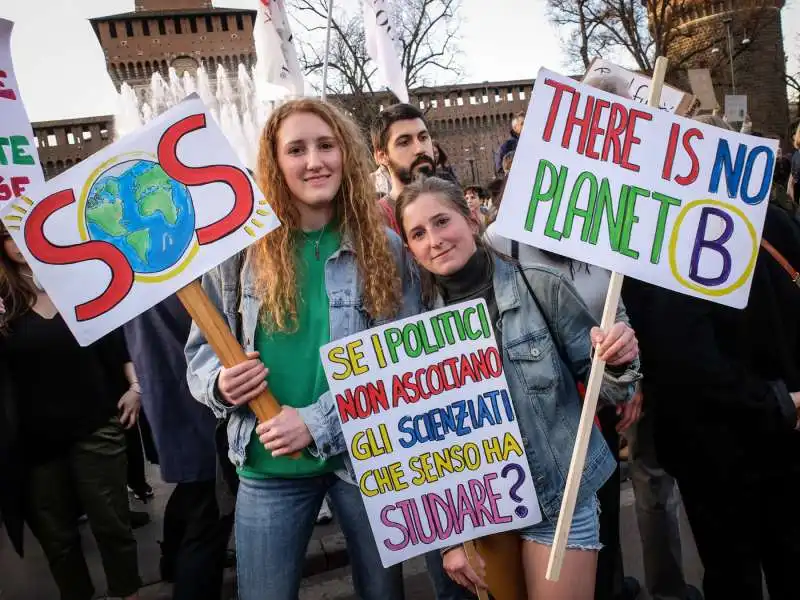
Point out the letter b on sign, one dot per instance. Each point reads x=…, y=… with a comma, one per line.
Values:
x=713, y=248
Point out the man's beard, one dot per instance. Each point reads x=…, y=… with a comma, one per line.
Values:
x=423, y=164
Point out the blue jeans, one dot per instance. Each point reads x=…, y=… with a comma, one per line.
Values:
x=274, y=522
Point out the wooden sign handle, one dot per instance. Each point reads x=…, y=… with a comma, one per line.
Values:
x=225, y=345
x=578, y=460
x=471, y=552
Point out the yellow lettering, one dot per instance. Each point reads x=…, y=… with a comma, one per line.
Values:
x=335, y=356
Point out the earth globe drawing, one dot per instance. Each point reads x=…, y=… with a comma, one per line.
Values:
x=144, y=213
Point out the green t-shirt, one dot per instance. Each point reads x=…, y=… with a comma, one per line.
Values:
x=296, y=376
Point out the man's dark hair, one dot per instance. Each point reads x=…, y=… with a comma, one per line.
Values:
x=379, y=132
x=479, y=191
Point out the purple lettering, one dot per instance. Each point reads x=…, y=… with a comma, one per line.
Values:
x=717, y=245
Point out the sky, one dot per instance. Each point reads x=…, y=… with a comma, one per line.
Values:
x=61, y=70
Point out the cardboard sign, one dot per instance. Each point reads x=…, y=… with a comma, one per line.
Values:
x=735, y=108
x=19, y=160
x=431, y=431
x=703, y=88
x=639, y=191
x=672, y=99
x=138, y=220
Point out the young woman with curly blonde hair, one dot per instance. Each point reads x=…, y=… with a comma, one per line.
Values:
x=332, y=269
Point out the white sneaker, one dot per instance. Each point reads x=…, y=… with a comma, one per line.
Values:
x=325, y=514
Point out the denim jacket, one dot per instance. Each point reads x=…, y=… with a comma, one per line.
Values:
x=347, y=316
x=543, y=389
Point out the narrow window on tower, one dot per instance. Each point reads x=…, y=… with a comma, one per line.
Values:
x=129, y=28
x=193, y=24
x=239, y=23
x=112, y=29
x=209, y=24
x=224, y=22
x=177, y=24
x=162, y=28
x=145, y=27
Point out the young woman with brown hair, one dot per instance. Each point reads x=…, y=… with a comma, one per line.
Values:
x=331, y=270
x=71, y=414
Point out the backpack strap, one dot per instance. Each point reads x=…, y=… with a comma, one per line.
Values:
x=781, y=260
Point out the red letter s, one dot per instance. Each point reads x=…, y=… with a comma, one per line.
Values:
x=236, y=179
x=44, y=251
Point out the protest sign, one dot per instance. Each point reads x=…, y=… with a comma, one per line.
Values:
x=138, y=220
x=431, y=431
x=19, y=160
x=639, y=191
x=703, y=88
x=672, y=99
x=735, y=108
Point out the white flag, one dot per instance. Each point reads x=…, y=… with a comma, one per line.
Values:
x=380, y=36
x=277, y=57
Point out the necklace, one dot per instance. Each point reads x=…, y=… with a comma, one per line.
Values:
x=318, y=240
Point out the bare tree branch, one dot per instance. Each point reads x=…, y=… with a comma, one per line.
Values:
x=427, y=45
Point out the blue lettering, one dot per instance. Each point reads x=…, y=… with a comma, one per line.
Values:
x=763, y=191
x=733, y=172
x=403, y=427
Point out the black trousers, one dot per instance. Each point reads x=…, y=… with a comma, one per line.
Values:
x=608, y=582
x=195, y=540
x=742, y=525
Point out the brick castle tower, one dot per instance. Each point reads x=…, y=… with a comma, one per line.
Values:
x=183, y=34
x=759, y=62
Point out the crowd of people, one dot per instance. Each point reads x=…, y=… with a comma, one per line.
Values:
x=706, y=397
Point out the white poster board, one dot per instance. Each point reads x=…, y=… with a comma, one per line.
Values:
x=19, y=160
x=735, y=108
x=639, y=191
x=672, y=99
x=431, y=431
x=138, y=220
x=703, y=88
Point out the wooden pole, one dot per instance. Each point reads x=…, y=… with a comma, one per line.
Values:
x=327, y=59
x=225, y=345
x=469, y=548
x=592, y=391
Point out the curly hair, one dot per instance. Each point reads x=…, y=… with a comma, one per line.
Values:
x=16, y=291
x=355, y=211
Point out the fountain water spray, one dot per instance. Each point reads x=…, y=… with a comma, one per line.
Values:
x=237, y=104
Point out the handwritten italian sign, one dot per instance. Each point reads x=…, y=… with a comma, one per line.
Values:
x=672, y=99
x=431, y=431
x=139, y=220
x=19, y=161
x=639, y=191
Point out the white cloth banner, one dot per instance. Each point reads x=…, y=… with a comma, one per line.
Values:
x=277, y=56
x=380, y=36
x=19, y=161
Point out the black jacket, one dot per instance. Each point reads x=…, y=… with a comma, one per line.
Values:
x=719, y=378
x=11, y=463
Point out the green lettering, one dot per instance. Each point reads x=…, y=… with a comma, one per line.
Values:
x=437, y=332
x=629, y=218
x=584, y=213
x=549, y=228
x=537, y=195
x=409, y=338
x=19, y=144
x=487, y=332
x=4, y=141
x=605, y=204
x=663, y=212
x=393, y=337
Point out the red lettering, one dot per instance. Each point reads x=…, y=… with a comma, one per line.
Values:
x=44, y=251
x=14, y=188
x=695, y=170
x=631, y=139
x=617, y=121
x=582, y=122
x=559, y=88
x=192, y=176
x=669, y=159
x=594, y=128
x=5, y=93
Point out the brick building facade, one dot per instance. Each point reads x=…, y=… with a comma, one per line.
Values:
x=759, y=62
x=470, y=121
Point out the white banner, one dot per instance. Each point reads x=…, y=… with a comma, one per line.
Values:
x=277, y=56
x=19, y=160
x=138, y=220
x=639, y=191
x=431, y=431
x=380, y=36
